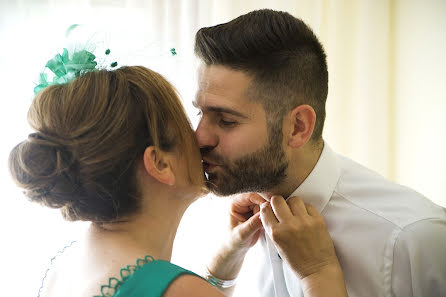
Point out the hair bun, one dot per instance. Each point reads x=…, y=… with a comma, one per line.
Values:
x=45, y=169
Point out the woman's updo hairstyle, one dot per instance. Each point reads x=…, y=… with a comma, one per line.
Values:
x=90, y=134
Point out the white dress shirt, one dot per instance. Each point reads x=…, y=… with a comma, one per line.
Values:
x=390, y=240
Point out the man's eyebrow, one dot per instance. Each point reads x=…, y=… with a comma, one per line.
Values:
x=220, y=109
x=225, y=110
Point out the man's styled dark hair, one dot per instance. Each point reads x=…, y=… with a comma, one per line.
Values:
x=282, y=55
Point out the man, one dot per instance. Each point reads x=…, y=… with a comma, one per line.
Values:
x=262, y=91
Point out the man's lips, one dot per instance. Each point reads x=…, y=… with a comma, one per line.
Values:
x=209, y=165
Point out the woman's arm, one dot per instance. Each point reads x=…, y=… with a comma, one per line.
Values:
x=190, y=285
x=245, y=230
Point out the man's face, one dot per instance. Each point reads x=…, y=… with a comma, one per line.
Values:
x=240, y=153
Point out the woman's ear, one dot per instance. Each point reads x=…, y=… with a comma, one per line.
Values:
x=157, y=164
x=302, y=121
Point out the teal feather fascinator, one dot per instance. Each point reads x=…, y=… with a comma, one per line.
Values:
x=66, y=69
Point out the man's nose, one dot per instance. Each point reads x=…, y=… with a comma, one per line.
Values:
x=205, y=136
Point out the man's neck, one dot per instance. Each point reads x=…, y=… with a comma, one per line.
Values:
x=301, y=164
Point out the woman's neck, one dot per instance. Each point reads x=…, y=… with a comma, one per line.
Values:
x=151, y=232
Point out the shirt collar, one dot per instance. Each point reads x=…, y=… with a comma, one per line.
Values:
x=319, y=185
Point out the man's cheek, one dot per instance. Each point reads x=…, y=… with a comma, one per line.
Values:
x=241, y=147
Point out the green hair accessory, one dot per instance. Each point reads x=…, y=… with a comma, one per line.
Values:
x=68, y=65
x=65, y=69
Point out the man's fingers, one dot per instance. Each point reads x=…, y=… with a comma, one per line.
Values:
x=281, y=208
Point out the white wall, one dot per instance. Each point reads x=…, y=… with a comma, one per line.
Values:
x=420, y=96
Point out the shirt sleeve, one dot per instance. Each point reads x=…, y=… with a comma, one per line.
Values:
x=419, y=260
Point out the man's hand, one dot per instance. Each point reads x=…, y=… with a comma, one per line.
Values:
x=299, y=234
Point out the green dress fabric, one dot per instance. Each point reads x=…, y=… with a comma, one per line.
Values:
x=148, y=277
x=150, y=280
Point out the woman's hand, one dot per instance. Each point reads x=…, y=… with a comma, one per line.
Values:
x=245, y=230
x=299, y=233
x=245, y=223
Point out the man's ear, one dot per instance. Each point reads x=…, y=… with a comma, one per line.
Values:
x=302, y=120
x=158, y=164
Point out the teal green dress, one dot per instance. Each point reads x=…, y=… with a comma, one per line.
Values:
x=148, y=278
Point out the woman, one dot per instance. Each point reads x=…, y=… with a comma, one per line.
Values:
x=114, y=148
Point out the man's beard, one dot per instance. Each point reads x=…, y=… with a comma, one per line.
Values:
x=256, y=172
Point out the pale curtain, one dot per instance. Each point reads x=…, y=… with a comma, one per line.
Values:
x=385, y=108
